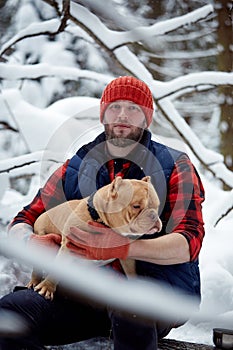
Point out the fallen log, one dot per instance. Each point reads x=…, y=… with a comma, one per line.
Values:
x=106, y=344
x=171, y=344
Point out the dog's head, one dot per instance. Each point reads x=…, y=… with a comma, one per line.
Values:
x=130, y=207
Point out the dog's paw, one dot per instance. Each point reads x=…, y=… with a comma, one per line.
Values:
x=32, y=283
x=46, y=289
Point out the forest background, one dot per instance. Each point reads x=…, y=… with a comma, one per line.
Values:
x=57, y=56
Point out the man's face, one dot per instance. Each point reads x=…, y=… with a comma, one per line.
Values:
x=124, y=123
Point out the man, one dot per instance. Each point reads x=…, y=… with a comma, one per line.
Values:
x=171, y=256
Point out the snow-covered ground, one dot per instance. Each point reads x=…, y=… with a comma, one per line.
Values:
x=53, y=129
x=216, y=255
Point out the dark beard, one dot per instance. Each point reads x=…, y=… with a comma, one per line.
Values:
x=121, y=141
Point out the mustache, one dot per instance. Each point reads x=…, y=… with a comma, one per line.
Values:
x=121, y=141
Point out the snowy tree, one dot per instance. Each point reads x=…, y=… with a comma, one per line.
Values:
x=53, y=40
x=55, y=60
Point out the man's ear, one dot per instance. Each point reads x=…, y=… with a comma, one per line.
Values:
x=146, y=179
x=114, y=188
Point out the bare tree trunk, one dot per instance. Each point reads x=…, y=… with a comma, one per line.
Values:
x=225, y=61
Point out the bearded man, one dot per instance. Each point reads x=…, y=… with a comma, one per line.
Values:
x=126, y=149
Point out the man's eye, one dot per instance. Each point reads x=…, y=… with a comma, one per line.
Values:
x=133, y=108
x=115, y=106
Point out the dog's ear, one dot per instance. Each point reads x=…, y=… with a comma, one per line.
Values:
x=114, y=188
x=147, y=179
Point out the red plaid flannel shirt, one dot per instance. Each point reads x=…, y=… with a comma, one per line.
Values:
x=182, y=209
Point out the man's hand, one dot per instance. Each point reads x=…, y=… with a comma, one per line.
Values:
x=21, y=231
x=100, y=243
x=51, y=240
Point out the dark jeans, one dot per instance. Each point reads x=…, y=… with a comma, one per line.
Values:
x=66, y=320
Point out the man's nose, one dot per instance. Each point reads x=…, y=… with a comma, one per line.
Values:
x=123, y=112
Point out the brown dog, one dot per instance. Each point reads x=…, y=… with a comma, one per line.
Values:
x=129, y=207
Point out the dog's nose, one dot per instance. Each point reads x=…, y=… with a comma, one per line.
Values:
x=153, y=216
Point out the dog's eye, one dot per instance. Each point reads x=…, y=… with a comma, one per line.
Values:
x=136, y=206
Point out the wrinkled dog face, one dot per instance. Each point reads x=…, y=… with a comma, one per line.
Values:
x=131, y=206
x=145, y=212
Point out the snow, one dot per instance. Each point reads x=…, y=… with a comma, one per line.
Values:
x=52, y=134
x=14, y=71
x=192, y=80
x=216, y=255
x=34, y=28
x=113, y=39
x=132, y=63
x=24, y=112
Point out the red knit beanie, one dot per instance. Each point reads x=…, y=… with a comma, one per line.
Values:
x=131, y=89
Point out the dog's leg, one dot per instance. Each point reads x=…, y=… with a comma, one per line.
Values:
x=128, y=266
x=35, y=279
x=47, y=287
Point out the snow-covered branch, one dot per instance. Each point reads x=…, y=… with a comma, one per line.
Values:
x=27, y=163
x=224, y=214
x=113, y=39
x=161, y=89
x=193, y=81
x=40, y=70
x=110, y=40
x=211, y=160
x=50, y=27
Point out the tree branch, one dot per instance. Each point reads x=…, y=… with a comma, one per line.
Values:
x=7, y=126
x=64, y=15
x=54, y=27
x=27, y=160
x=13, y=167
x=223, y=216
x=210, y=160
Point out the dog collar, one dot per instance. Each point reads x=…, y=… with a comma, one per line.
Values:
x=91, y=208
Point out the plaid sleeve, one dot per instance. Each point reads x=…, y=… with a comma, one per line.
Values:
x=47, y=197
x=183, y=212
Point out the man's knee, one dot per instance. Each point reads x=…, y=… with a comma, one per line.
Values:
x=26, y=306
x=26, y=303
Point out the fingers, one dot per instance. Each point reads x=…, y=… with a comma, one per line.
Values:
x=57, y=238
x=77, y=235
x=98, y=227
x=76, y=249
x=53, y=237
